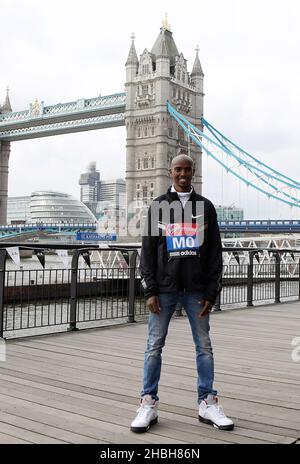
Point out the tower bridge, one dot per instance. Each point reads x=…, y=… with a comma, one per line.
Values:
x=162, y=110
x=153, y=137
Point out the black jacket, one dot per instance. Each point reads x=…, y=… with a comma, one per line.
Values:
x=161, y=273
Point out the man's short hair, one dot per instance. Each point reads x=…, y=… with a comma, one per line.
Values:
x=186, y=156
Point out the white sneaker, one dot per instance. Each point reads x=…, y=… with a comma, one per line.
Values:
x=211, y=413
x=147, y=415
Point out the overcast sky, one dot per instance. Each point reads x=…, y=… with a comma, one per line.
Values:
x=60, y=51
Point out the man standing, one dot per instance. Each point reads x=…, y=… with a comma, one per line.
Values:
x=181, y=261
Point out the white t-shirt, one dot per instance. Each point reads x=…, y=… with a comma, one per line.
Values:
x=183, y=196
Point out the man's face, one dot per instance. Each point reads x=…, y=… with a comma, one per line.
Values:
x=182, y=174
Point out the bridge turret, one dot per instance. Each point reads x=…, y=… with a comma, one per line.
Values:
x=197, y=77
x=6, y=108
x=197, y=71
x=132, y=65
x=153, y=137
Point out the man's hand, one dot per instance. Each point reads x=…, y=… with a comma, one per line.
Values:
x=153, y=304
x=207, y=307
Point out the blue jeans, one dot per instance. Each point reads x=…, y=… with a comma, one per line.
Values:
x=157, y=331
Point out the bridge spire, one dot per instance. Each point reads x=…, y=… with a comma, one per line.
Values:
x=197, y=68
x=132, y=55
x=166, y=26
x=6, y=108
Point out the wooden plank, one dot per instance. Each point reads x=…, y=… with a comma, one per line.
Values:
x=109, y=383
x=111, y=433
x=6, y=439
x=110, y=415
x=72, y=382
x=17, y=432
x=46, y=432
x=120, y=406
x=238, y=387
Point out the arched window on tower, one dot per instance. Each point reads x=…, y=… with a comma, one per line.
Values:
x=153, y=132
x=145, y=192
x=145, y=163
x=145, y=69
x=152, y=162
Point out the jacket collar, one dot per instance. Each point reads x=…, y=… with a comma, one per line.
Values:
x=172, y=196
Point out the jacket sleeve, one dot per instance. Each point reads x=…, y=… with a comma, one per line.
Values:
x=214, y=257
x=148, y=264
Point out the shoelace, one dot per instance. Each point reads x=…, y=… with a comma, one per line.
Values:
x=146, y=407
x=219, y=410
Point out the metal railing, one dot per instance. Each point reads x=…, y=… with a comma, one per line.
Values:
x=101, y=286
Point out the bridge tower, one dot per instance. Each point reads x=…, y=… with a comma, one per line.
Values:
x=153, y=137
x=4, y=160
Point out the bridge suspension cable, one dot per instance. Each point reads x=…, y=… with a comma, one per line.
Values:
x=241, y=164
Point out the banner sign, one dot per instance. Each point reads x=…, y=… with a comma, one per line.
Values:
x=94, y=237
x=14, y=253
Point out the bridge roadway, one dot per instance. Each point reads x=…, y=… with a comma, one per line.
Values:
x=245, y=226
x=260, y=226
x=62, y=118
x=82, y=387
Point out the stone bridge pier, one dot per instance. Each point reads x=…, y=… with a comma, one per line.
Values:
x=4, y=160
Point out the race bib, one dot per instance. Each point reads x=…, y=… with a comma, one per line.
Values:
x=182, y=240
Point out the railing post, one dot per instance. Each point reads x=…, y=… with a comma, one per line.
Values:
x=277, y=278
x=299, y=276
x=217, y=305
x=73, y=295
x=250, y=280
x=178, y=311
x=3, y=254
x=132, y=285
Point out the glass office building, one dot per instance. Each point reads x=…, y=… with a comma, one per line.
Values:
x=18, y=210
x=49, y=207
x=53, y=207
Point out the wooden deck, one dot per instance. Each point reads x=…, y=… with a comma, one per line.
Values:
x=83, y=387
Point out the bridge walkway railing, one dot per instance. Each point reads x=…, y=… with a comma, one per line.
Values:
x=101, y=286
